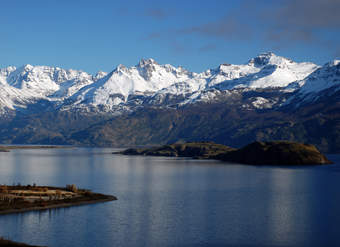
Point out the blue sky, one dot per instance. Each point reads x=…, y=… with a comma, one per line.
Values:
x=99, y=35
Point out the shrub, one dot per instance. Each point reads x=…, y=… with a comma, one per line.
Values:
x=71, y=187
x=3, y=188
x=88, y=193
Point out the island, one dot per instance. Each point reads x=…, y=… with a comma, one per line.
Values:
x=197, y=150
x=21, y=198
x=256, y=153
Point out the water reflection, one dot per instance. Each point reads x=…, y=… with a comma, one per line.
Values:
x=168, y=202
x=287, y=215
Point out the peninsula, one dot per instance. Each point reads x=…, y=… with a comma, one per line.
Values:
x=256, y=153
x=19, y=198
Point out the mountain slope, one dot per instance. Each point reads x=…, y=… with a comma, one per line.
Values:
x=269, y=97
x=318, y=124
x=322, y=83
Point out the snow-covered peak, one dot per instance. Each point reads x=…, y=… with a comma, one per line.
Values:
x=333, y=63
x=78, y=89
x=325, y=77
x=144, y=62
x=26, y=68
x=146, y=77
x=100, y=74
x=5, y=72
x=224, y=66
x=121, y=68
x=28, y=84
x=269, y=58
x=146, y=67
x=8, y=69
x=33, y=78
x=267, y=70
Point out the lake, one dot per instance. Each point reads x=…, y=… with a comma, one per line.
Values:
x=175, y=202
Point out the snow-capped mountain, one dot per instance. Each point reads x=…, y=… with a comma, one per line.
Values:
x=266, y=70
x=267, y=98
x=163, y=85
x=146, y=77
x=323, y=82
x=325, y=77
x=29, y=84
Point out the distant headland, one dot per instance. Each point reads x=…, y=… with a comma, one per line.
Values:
x=256, y=153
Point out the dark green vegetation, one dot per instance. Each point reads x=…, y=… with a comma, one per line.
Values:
x=18, y=198
x=225, y=122
x=202, y=150
x=256, y=153
x=318, y=125
x=276, y=153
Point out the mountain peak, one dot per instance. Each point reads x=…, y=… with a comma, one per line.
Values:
x=335, y=62
x=121, y=67
x=100, y=74
x=169, y=83
x=268, y=58
x=26, y=67
x=268, y=53
x=143, y=62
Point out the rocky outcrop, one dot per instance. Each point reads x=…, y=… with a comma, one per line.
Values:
x=276, y=153
x=256, y=153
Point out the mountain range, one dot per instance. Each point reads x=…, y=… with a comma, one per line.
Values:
x=268, y=97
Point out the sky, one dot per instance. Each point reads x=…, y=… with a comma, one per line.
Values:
x=94, y=35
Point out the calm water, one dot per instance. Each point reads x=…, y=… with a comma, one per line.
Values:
x=175, y=202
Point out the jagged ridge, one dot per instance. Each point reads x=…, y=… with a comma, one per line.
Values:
x=149, y=83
